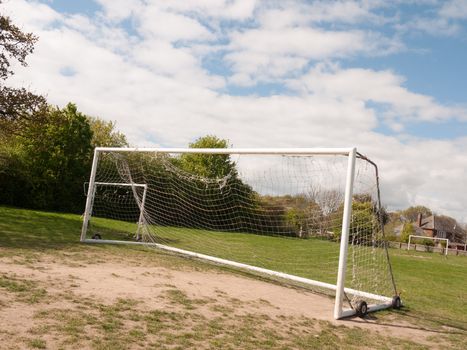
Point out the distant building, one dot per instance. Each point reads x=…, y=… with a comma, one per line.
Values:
x=437, y=227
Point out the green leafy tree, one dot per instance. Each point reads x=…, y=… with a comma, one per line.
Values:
x=208, y=165
x=448, y=224
x=105, y=134
x=411, y=213
x=14, y=176
x=58, y=158
x=295, y=218
x=407, y=230
x=216, y=177
x=365, y=220
x=18, y=108
x=299, y=213
x=16, y=105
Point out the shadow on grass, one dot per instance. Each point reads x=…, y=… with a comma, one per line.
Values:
x=416, y=321
x=39, y=230
x=30, y=229
x=442, y=321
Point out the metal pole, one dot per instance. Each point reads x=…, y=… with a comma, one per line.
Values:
x=345, y=235
x=270, y=151
x=381, y=220
x=90, y=197
x=141, y=211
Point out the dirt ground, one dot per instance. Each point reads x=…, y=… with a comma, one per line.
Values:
x=68, y=283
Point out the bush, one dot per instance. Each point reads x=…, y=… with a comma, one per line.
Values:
x=406, y=232
x=428, y=242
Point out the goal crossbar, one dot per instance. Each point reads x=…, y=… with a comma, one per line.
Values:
x=263, y=151
x=120, y=184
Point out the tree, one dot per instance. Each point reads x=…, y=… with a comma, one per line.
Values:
x=411, y=213
x=450, y=225
x=16, y=105
x=14, y=177
x=104, y=134
x=58, y=159
x=365, y=222
x=407, y=230
x=15, y=44
x=208, y=165
x=295, y=215
x=381, y=212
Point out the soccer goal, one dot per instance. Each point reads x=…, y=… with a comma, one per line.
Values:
x=434, y=239
x=311, y=217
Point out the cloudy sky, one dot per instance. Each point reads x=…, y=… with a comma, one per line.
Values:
x=389, y=77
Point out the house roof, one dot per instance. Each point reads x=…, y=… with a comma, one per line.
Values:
x=429, y=223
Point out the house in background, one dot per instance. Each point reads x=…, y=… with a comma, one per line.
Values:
x=439, y=227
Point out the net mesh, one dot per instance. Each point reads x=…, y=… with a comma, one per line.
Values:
x=282, y=213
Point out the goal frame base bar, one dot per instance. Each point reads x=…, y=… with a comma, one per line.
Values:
x=386, y=301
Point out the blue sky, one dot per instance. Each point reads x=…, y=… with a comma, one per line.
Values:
x=387, y=77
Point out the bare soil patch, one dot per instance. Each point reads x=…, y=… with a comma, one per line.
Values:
x=131, y=288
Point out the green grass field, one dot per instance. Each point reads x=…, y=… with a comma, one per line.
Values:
x=311, y=258
x=434, y=287
x=431, y=284
x=434, y=290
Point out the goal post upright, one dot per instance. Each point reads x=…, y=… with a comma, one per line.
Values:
x=90, y=195
x=345, y=235
x=141, y=212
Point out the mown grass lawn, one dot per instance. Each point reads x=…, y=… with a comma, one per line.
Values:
x=434, y=287
x=311, y=258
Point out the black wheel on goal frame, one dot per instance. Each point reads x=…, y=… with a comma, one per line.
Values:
x=96, y=236
x=396, y=302
x=361, y=308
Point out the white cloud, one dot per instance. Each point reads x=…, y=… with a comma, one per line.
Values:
x=382, y=87
x=228, y=9
x=118, y=10
x=30, y=15
x=454, y=9
x=268, y=54
x=153, y=22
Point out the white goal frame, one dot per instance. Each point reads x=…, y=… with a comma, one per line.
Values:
x=340, y=290
x=121, y=184
x=432, y=238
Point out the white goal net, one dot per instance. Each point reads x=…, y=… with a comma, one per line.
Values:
x=311, y=216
